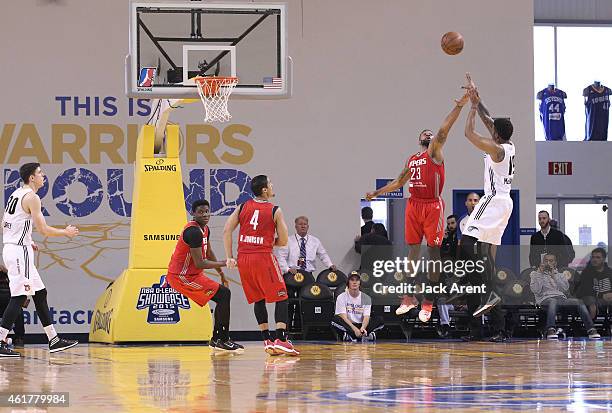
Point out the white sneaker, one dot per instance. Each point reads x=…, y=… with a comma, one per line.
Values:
x=408, y=303
x=424, y=315
x=593, y=333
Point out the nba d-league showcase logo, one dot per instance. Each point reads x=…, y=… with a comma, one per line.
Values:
x=163, y=303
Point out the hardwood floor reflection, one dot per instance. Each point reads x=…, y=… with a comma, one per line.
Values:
x=423, y=376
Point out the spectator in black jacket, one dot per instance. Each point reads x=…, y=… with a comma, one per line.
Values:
x=549, y=240
x=448, y=250
x=367, y=214
x=572, y=254
x=378, y=236
x=595, y=286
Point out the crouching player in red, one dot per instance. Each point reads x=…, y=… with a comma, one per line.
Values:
x=192, y=255
x=260, y=274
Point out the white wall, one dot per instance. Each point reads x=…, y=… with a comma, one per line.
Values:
x=591, y=169
x=367, y=80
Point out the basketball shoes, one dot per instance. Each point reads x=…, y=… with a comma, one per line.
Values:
x=408, y=303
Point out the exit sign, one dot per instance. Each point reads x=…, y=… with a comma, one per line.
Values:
x=559, y=168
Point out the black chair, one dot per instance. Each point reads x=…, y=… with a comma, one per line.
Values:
x=294, y=283
x=317, y=308
x=332, y=279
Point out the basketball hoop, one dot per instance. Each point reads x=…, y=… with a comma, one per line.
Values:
x=214, y=92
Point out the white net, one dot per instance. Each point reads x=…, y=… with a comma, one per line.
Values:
x=215, y=92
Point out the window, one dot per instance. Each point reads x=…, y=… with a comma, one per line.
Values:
x=581, y=58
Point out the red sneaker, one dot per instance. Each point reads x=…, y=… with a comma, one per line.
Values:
x=269, y=347
x=285, y=347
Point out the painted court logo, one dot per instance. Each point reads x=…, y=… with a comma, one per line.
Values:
x=146, y=78
x=163, y=303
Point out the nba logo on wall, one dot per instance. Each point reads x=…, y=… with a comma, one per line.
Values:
x=163, y=303
x=146, y=78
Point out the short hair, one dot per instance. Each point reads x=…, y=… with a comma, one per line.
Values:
x=544, y=212
x=198, y=203
x=600, y=251
x=380, y=229
x=28, y=169
x=367, y=213
x=425, y=130
x=550, y=253
x=258, y=184
x=472, y=193
x=452, y=216
x=504, y=128
x=305, y=218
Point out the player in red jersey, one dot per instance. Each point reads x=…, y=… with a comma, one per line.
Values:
x=424, y=172
x=192, y=254
x=260, y=274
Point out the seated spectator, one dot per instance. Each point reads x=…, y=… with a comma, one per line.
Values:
x=549, y=240
x=302, y=250
x=595, y=286
x=550, y=289
x=378, y=236
x=353, y=319
x=5, y=297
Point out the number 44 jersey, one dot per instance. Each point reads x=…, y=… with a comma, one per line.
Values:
x=552, y=113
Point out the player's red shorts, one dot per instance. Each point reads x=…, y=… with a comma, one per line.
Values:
x=261, y=277
x=424, y=218
x=198, y=287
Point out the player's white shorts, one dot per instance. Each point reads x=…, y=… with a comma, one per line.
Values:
x=23, y=275
x=489, y=219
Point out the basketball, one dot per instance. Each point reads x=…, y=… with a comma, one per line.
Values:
x=452, y=43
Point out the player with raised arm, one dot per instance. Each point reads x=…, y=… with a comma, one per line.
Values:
x=424, y=172
x=260, y=274
x=488, y=221
x=23, y=208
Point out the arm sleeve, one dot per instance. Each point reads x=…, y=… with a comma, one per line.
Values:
x=536, y=283
x=341, y=304
x=282, y=254
x=562, y=282
x=367, y=304
x=322, y=254
x=193, y=237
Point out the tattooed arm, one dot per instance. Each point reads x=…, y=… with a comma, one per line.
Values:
x=391, y=186
x=438, y=141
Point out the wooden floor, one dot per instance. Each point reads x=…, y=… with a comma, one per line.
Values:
x=421, y=376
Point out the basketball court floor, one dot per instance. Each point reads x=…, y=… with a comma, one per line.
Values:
x=418, y=376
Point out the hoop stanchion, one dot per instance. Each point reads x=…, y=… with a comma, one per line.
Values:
x=215, y=92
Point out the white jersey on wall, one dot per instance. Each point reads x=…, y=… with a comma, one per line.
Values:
x=16, y=223
x=498, y=176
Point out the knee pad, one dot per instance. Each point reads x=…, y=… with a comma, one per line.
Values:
x=261, y=313
x=222, y=294
x=281, y=312
x=469, y=247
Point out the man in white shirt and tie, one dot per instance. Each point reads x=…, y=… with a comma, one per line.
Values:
x=302, y=250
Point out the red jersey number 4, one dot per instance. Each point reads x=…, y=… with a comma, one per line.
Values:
x=255, y=219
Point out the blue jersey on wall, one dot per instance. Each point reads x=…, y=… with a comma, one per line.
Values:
x=597, y=106
x=552, y=113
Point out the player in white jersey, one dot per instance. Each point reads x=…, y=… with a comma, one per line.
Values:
x=488, y=221
x=23, y=209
